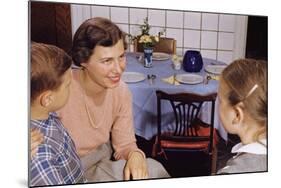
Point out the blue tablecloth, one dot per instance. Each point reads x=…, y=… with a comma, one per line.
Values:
x=145, y=100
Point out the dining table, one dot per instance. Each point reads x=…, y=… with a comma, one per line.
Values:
x=144, y=93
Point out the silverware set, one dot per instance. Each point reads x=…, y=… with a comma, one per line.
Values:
x=140, y=59
x=151, y=78
x=207, y=78
x=174, y=79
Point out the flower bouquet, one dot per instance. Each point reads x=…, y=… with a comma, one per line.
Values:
x=148, y=42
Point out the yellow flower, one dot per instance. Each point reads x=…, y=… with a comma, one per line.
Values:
x=148, y=40
x=145, y=38
x=156, y=38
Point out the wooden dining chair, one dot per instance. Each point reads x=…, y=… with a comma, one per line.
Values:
x=190, y=134
x=165, y=45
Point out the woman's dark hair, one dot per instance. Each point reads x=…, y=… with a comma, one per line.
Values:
x=93, y=32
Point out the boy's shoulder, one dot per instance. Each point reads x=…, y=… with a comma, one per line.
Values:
x=53, y=131
x=52, y=123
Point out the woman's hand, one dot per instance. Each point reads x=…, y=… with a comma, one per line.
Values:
x=36, y=139
x=136, y=167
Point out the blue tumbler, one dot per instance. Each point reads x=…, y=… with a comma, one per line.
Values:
x=192, y=61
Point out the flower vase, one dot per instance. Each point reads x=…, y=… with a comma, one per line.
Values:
x=148, y=56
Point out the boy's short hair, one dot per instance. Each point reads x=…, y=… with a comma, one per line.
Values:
x=48, y=64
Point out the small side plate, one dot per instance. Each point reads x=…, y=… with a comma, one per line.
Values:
x=132, y=77
x=215, y=69
x=189, y=78
x=159, y=56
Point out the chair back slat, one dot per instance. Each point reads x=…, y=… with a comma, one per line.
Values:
x=185, y=114
x=186, y=108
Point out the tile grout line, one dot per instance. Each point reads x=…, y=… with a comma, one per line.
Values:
x=183, y=21
x=217, y=44
x=183, y=29
x=200, y=39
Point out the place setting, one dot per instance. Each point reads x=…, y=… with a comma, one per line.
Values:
x=186, y=78
x=160, y=56
x=213, y=71
x=133, y=77
x=156, y=57
x=215, y=68
x=189, y=78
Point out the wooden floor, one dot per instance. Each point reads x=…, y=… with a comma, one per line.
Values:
x=187, y=164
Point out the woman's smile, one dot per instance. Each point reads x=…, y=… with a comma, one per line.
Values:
x=115, y=79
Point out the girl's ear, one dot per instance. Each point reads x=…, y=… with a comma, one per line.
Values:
x=46, y=98
x=239, y=114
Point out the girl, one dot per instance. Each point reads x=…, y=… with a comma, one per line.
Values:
x=243, y=111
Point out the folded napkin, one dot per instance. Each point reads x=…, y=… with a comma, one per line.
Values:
x=171, y=80
x=214, y=77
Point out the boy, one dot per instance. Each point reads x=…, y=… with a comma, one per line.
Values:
x=56, y=161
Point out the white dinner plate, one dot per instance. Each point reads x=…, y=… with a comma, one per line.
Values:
x=215, y=69
x=189, y=78
x=159, y=56
x=132, y=77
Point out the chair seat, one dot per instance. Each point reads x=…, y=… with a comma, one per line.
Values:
x=182, y=145
x=190, y=134
x=202, y=131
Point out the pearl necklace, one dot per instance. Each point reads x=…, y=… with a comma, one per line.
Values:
x=85, y=103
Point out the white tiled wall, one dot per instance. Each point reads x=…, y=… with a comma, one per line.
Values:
x=157, y=17
x=119, y=15
x=209, y=40
x=227, y=23
x=192, y=20
x=192, y=38
x=175, y=19
x=216, y=35
x=226, y=41
x=137, y=15
x=177, y=34
x=210, y=21
x=100, y=11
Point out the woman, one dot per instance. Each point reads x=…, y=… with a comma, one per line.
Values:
x=98, y=114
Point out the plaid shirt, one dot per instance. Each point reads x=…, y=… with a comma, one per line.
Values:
x=56, y=161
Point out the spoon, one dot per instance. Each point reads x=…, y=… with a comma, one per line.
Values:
x=208, y=78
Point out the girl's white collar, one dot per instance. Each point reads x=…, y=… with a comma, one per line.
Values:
x=254, y=148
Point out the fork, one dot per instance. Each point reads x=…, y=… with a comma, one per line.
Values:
x=149, y=79
x=207, y=78
x=174, y=79
x=140, y=59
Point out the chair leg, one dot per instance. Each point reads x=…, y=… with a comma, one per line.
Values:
x=214, y=160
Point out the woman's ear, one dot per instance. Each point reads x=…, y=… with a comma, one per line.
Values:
x=83, y=65
x=46, y=98
x=239, y=114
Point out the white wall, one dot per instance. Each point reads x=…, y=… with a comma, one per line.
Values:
x=218, y=36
